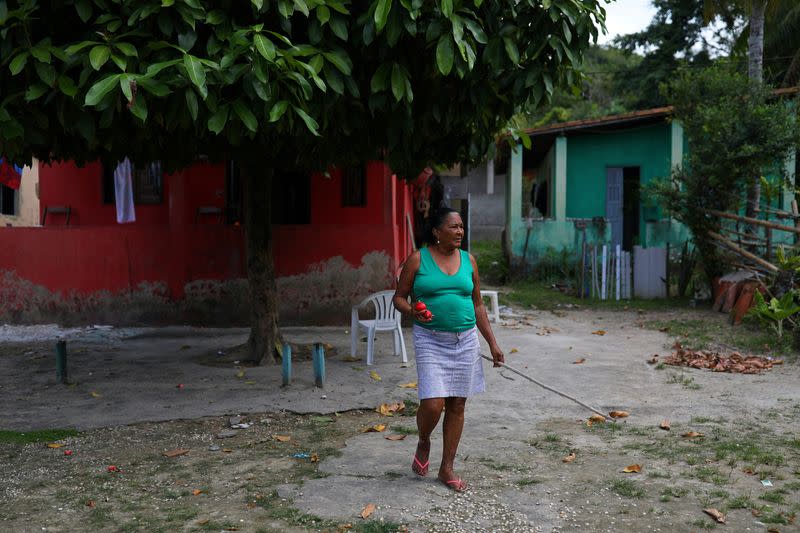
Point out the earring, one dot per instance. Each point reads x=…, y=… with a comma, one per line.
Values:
x=437, y=241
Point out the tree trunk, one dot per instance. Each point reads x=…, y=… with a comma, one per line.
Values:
x=755, y=72
x=260, y=266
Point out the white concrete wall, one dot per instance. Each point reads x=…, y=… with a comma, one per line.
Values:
x=487, y=211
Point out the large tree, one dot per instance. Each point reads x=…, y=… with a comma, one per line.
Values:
x=277, y=84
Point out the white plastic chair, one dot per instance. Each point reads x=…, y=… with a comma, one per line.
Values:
x=386, y=319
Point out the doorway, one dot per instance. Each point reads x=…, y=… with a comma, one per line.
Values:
x=623, y=205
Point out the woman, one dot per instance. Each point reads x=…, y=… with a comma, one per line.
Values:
x=449, y=368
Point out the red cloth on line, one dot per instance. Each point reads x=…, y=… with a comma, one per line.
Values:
x=9, y=175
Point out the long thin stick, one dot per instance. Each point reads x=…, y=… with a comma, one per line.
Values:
x=551, y=389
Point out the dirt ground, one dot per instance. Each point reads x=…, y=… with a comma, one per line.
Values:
x=128, y=408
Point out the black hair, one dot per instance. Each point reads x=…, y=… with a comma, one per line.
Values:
x=435, y=221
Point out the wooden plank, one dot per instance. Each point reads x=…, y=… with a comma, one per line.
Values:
x=744, y=253
x=755, y=221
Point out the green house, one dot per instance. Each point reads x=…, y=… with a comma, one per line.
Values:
x=583, y=181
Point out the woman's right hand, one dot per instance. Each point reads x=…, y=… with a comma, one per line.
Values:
x=423, y=316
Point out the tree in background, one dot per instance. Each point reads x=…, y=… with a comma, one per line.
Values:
x=735, y=131
x=276, y=84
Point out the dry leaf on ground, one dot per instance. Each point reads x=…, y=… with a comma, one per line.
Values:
x=653, y=360
x=618, y=414
x=55, y=445
x=374, y=375
x=351, y=359
x=314, y=458
x=95, y=394
x=569, y=458
x=343, y=527
x=715, y=514
x=664, y=424
x=595, y=419
x=378, y=428
x=90, y=504
x=176, y=452
x=691, y=435
x=632, y=469
x=600, y=332
x=197, y=492
x=513, y=350
x=749, y=471
x=282, y=438
x=410, y=385
x=394, y=437
x=388, y=409
x=579, y=361
x=368, y=510
x=717, y=362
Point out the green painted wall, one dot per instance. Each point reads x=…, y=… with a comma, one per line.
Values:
x=589, y=155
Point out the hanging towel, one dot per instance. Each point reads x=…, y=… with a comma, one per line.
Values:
x=123, y=188
x=10, y=174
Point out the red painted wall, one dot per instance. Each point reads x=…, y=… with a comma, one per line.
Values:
x=165, y=244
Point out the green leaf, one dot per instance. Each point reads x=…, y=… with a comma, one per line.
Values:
x=338, y=27
x=41, y=53
x=155, y=68
x=186, y=40
x=100, y=89
x=379, y=81
x=75, y=48
x=121, y=61
x=215, y=17
x=218, y=120
x=264, y=46
x=278, y=110
x=476, y=31
x=99, y=55
x=167, y=3
x=46, y=73
x=382, y=13
x=18, y=63
x=445, y=55
x=67, y=86
x=3, y=11
x=511, y=50
x=247, y=117
x=35, y=91
x=316, y=63
x=323, y=14
x=191, y=102
x=258, y=4
x=398, y=82
x=301, y=6
x=334, y=79
x=139, y=108
x=127, y=48
x=156, y=88
x=311, y=124
x=340, y=60
x=84, y=9
x=125, y=85
x=195, y=70
x=447, y=8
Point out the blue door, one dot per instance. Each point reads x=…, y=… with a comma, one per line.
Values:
x=614, y=190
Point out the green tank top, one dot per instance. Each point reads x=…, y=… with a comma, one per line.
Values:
x=449, y=298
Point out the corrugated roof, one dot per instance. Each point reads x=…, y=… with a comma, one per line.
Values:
x=633, y=116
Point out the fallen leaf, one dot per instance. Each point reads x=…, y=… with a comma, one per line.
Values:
x=749, y=471
x=597, y=418
x=55, y=445
x=374, y=375
x=377, y=428
x=410, y=385
x=664, y=424
x=773, y=530
x=579, y=361
x=250, y=382
x=91, y=504
x=282, y=438
x=226, y=450
x=95, y=394
x=351, y=359
x=176, y=452
x=394, y=437
x=513, y=350
x=600, y=332
x=388, y=409
x=569, y=458
x=368, y=510
x=691, y=435
x=197, y=492
x=314, y=458
x=653, y=360
x=618, y=414
x=632, y=469
x=755, y=512
x=203, y=522
x=344, y=527
x=240, y=374
x=716, y=515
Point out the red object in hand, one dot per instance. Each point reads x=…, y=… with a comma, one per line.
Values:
x=420, y=306
x=112, y=468
x=427, y=314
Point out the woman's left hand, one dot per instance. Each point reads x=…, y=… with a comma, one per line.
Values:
x=497, y=355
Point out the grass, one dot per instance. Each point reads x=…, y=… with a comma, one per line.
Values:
x=403, y=430
x=627, y=488
x=28, y=437
x=703, y=524
x=773, y=497
x=715, y=332
x=528, y=481
x=739, y=502
x=686, y=381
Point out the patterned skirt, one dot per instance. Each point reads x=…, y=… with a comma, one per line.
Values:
x=448, y=363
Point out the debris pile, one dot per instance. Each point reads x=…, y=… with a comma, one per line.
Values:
x=717, y=362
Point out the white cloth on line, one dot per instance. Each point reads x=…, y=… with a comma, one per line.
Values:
x=123, y=189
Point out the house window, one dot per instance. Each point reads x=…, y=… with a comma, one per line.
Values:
x=148, y=183
x=8, y=201
x=354, y=186
x=291, y=198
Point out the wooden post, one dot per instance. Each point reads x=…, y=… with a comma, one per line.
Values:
x=319, y=365
x=286, y=365
x=744, y=253
x=796, y=220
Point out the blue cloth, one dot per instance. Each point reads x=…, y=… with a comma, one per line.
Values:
x=448, y=363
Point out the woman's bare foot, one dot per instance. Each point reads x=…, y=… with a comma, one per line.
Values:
x=421, y=462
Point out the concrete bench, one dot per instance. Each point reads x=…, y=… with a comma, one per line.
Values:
x=494, y=310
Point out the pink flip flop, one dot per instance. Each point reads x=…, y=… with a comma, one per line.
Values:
x=457, y=484
x=419, y=468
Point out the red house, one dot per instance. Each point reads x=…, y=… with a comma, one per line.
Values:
x=337, y=237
